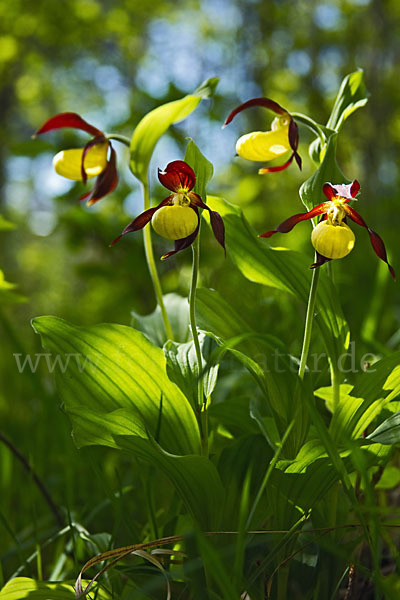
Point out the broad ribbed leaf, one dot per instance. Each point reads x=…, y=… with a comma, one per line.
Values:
x=112, y=380
x=388, y=432
x=114, y=386
x=182, y=366
x=285, y=270
x=352, y=95
x=24, y=587
x=374, y=389
x=155, y=124
x=152, y=325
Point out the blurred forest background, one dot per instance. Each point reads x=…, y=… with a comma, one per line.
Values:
x=112, y=61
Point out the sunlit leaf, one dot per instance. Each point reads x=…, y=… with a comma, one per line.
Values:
x=352, y=95
x=114, y=386
x=24, y=587
x=182, y=366
x=114, y=370
x=388, y=432
x=155, y=124
x=152, y=324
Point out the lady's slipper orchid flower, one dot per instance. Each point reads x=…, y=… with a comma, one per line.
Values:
x=177, y=216
x=96, y=159
x=260, y=146
x=332, y=238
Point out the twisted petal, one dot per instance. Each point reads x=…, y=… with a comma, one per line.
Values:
x=265, y=102
x=347, y=191
x=376, y=240
x=319, y=260
x=142, y=220
x=177, y=176
x=106, y=181
x=288, y=225
x=216, y=221
x=68, y=119
x=68, y=163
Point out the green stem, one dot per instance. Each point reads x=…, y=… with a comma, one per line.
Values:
x=201, y=401
x=308, y=323
x=311, y=124
x=119, y=138
x=148, y=247
x=283, y=577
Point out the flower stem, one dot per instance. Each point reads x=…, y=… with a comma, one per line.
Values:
x=119, y=138
x=148, y=247
x=308, y=323
x=311, y=124
x=201, y=401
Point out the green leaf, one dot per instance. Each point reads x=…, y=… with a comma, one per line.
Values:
x=7, y=293
x=374, y=389
x=155, y=124
x=352, y=95
x=264, y=356
x=6, y=225
x=201, y=166
x=114, y=386
x=112, y=380
x=152, y=325
x=285, y=270
x=182, y=367
x=311, y=190
x=388, y=432
x=24, y=587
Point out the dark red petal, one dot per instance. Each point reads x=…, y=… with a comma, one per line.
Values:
x=140, y=221
x=376, y=240
x=344, y=190
x=265, y=170
x=265, y=102
x=329, y=191
x=177, y=175
x=97, y=140
x=184, y=242
x=216, y=221
x=67, y=119
x=320, y=260
x=288, y=225
x=105, y=182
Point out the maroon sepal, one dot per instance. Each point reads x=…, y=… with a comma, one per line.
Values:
x=288, y=225
x=140, y=221
x=67, y=119
x=97, y=140
x=348, y=191
x=320, y=260
x=265, y=170
x=184, y=243
x=177, y=176
x=105, y=182
x=376, y=240
x=216, y=221
x=265, y=102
